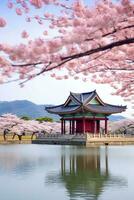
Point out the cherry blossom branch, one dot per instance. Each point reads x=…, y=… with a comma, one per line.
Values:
x=46, y=69
x=112, y=32
x=83, y=54
x=101, y=48
x=26, y=65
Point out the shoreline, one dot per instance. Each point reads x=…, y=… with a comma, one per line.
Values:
x=25, y=140
x=15, y=142
x=89, y=140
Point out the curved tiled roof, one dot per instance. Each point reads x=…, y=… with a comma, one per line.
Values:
x=106, y=109
x=82, y=102
x=62, y=109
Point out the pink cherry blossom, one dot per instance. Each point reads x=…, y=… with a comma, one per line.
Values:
x=10, y=4
x=18, y=11
x=24, y=34
x=18, y=126
x=2, y=22
x=94, y=41
x=36, y=3
x=45, y=33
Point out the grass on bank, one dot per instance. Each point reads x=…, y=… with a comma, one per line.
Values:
x=26, y=138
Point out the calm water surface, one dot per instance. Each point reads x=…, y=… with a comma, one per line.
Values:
x=43, y=172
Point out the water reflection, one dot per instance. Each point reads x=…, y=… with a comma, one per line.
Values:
x=17, y=161
x=85, y=173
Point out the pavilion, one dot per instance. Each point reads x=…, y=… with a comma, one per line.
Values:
x=84, y=111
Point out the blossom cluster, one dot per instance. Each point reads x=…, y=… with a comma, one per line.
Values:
x=94, y=41
x=124, y=126
x=18, y=126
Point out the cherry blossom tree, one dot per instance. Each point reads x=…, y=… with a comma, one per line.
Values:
x=12, y=124
x=124, y=126
x=8, y=124
x=93, y=42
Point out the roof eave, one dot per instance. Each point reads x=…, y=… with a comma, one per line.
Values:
x=50, y=107
x=65, y=112
x=103, y=112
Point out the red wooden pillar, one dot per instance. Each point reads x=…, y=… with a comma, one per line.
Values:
x=72, y=126
x=83, y=125
x=76, y=126
x=94, y=125
x=62, y=127
x=98, y=126
x=106, y=125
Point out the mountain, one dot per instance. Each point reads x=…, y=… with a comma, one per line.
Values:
x=27, y=108
x=116, y=117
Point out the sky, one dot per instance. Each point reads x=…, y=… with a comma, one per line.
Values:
x=43, y=89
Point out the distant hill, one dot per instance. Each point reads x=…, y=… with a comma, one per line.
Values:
x=27, y=108
x=116, y=117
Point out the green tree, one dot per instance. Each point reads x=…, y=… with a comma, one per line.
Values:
x=44, y=119
x=26, y=118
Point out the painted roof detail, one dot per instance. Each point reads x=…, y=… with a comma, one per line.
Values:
x=82, y=104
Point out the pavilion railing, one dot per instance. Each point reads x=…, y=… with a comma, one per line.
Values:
x=109, y=135
x=85, y=136
x=60, y=136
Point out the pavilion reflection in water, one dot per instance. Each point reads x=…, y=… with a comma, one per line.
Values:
x=85, y=173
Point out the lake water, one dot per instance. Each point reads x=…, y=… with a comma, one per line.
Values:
x=47, y=172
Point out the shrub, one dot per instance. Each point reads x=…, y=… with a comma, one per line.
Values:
x=44, y=119
x=25, y=118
